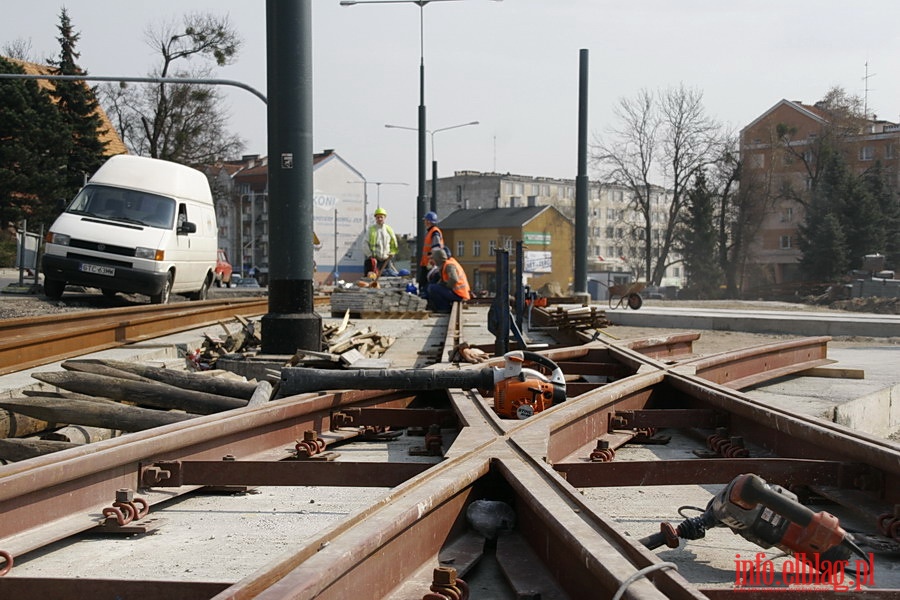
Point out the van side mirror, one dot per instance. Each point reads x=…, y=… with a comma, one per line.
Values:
x=61, y=204
x=187, y=227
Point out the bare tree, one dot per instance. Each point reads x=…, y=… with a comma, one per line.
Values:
x=180, y=122
x=843, y=116
x=19, y=49
x=666, y=135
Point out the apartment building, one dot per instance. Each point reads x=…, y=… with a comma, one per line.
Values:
x=779, y=150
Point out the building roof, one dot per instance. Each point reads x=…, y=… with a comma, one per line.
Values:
x=114, y=143
x=493, y=218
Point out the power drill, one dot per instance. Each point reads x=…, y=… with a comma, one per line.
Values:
x=767, y=515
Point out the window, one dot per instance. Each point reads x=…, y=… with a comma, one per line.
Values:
x=867, y=153
x=476, y=248
x=758, y=161
x=492, y=245
x=610, y=232
x=460, y=248
x=788, y=215
x=889, y=151
x=610, y=214
x=676, y=271
x=514, y=201
x=532, y=201
x=785, y=242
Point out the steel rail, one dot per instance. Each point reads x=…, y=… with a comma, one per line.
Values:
x=33, y=341
x=407, y=531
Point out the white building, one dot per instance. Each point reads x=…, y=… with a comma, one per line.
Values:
x=242, y=207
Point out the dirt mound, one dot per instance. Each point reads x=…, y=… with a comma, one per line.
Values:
x=882, y=306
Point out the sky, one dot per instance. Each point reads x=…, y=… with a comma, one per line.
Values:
x=511, y=65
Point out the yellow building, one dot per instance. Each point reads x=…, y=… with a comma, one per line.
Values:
x=546, y=234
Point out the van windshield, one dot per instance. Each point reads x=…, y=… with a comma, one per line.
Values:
x=127, y=206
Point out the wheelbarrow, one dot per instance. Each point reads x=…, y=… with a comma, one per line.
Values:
x=626, y=295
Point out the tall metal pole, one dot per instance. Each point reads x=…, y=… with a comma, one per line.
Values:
x=433, y=203
x=253, y=229
x=421, y=208
x=434, y=174
x=336, y=272
x=581, y=181
x=291, y=322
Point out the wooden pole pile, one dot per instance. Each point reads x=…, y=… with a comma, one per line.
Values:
x=118, y=396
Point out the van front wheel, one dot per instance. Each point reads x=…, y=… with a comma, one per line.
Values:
x=53, y=288
x=163, y=296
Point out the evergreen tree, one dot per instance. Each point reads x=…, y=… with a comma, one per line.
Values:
x=697, y=241
x=824, y=246
x=888, y=217
x=78, y=106
x=822, y=238
x=861, y=222
x=33, y=148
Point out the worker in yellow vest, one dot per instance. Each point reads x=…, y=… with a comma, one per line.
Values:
x=381, y=247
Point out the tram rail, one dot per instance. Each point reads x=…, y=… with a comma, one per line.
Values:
x=33, y=341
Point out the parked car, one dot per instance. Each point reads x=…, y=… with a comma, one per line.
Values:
x=223, y=270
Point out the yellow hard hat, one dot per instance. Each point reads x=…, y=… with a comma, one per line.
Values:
x=380, y=211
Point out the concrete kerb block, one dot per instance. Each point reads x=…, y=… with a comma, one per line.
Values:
x=877, y=414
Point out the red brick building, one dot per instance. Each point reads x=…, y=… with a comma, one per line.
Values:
x=779, y=151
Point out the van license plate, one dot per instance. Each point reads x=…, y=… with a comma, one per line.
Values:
x=98, y=270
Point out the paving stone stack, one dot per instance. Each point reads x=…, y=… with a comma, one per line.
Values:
x=377, y=302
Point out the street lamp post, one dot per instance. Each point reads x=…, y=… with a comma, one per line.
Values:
x=434, y=170
x=420, y=199
x=366, y=183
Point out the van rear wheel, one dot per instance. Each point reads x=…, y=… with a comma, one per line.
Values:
x=163, y=296
x=54, y=288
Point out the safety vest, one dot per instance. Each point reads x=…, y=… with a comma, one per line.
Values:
x=461, y=288
x=373, y=241
x=430, y=243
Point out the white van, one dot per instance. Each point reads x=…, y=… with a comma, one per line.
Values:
x=140, y=225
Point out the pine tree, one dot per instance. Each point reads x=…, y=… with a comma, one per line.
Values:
x=824, y=247
x=697, y=242
x=822, y=237
x=33, y=149
x=877, y=181
x=78, y=106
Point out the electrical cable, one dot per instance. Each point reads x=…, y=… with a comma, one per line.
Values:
x=640, y=574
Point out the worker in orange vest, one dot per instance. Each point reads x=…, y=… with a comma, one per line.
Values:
x=453, y=285
x=434, y=238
